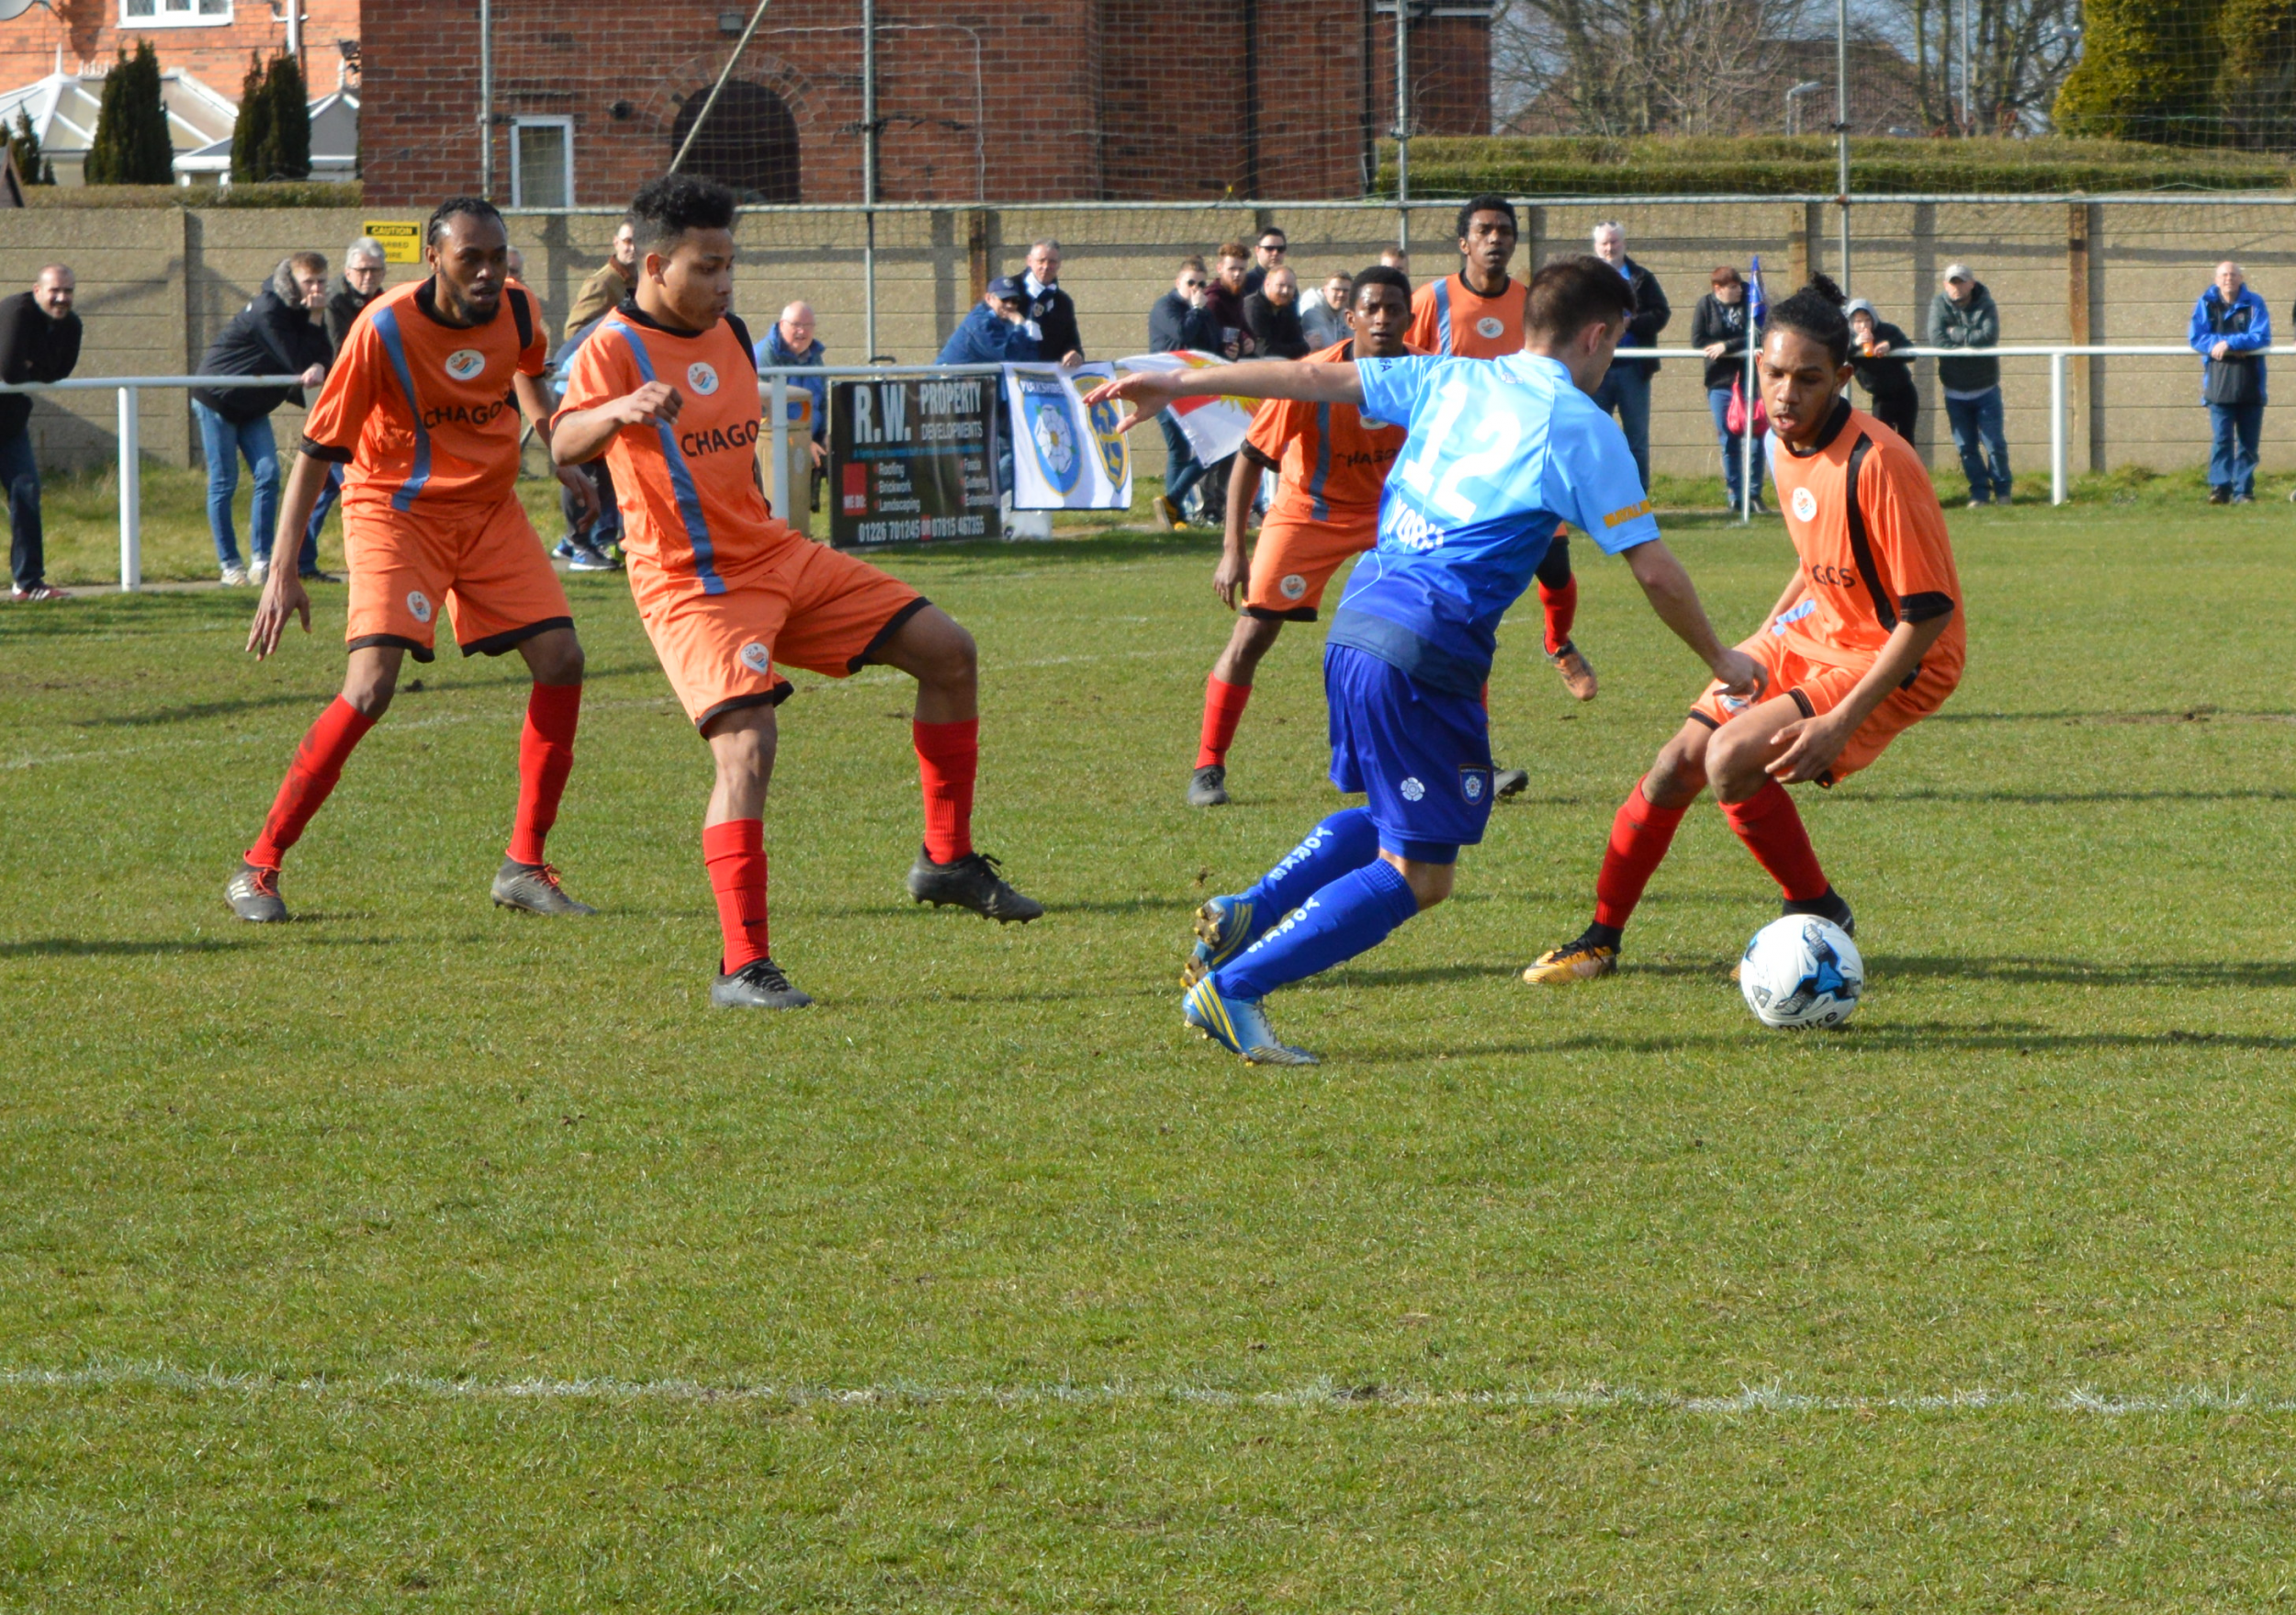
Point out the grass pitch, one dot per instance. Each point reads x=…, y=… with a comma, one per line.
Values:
x=417, y=1255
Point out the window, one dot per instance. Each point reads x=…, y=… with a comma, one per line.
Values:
x=174, y=14
x=542, y=162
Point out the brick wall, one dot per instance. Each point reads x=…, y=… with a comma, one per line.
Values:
x=1450, y=75
x=86, y=35
x=1115, y=99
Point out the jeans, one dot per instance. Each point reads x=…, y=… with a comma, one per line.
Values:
x=1733, y=447
x=1976, y=419
x=2232, y=432
x=27, y=553
x=1182, y=470
x=1627, y=392
x=224, y=441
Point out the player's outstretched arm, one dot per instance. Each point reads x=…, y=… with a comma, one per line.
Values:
x=578, y=437
x=1675, y=599
x=283, y=592
x=1148, y=391
x=1813, y=743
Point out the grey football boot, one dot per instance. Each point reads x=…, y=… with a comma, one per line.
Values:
x=253, y=894
x=759, y=985
x=533, y=889
x=971, y=882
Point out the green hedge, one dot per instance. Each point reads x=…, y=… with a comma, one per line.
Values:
x=304, y=193
x=1783, y=165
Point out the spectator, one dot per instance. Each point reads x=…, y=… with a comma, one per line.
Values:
x=1627, y=390
x=1963, y=316
x=1271, y=315
x=363, y=269
x=1268, y=256
x=514, y=262
x=1718, y=327
x=1225, y=298
x=995, y=333
x=1395, y=258
x=1323, y=316
x=789, y=343
x=606, y=287
x=1051, y=310
x=39, y=340
x=1181, y=319
x=1878, y=350
x=2231, y=330
x=274, y=335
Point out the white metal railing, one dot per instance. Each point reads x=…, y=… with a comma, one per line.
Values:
x=130, y=444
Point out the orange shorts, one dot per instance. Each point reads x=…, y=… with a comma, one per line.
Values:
x=487, y=567
x=817, y=608
x=1296, y=558
x=1817, y=687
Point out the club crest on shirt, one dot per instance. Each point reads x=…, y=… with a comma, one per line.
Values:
x=1411, y=789
x=1805, y=504
x=1474, y=783
x=1293, y=586
x=420, y=604
x=1490, y=328
x=464, y=363
x=700, y=377
x=757, y=658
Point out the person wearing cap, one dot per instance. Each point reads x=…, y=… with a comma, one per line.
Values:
x=997, y=332
x=2231, y=330
x=1884, y=369
x=1718, y=328
x=1963, y=316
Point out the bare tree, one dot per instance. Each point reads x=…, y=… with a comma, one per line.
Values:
x=1981, y=66
x=1637, y=67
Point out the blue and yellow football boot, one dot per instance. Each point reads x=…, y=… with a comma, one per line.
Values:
x=1224, y=928
x=1238, y=1025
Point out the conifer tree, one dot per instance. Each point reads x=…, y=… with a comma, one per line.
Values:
x=131, y=144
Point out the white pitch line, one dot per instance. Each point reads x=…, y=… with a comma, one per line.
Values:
x=1322, y=1394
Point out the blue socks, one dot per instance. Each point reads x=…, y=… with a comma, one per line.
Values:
x=1348, y=916
x=1346, y=842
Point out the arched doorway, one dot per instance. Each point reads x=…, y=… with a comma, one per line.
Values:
x=750, y=143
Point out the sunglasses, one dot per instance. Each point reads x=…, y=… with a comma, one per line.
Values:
x=1191, y=283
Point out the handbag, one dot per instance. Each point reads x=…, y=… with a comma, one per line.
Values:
x=1733, y=418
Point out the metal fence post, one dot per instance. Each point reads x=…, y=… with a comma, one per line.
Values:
x=779, y=408
x=2057, y=427
x=130, y=496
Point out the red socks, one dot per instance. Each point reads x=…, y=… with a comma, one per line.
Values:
x=735, y=853
x=1561, y=606
x=1223, y=709
x=948, y=761
x=318, y=766
x=1771, y=825
x=1638, y=839
x=546, y=755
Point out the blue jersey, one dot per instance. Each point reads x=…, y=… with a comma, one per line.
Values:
x=1502, y=452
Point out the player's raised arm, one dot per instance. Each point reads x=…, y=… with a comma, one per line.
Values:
x=580, y=435
x=1150, y=391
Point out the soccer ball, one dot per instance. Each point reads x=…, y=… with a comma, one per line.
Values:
x=1801, y=972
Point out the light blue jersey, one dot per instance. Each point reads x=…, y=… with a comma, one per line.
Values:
x=1502, y=452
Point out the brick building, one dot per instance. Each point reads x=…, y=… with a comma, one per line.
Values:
x=1090, y=99
x=210, y=40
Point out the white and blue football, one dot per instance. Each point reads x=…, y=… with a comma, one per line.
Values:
x=1801, y=972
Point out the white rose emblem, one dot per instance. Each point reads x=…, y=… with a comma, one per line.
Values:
x=1412, y=790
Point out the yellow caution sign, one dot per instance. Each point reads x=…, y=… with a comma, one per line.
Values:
x=402, y=239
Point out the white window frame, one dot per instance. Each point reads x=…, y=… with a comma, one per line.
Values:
x=191, y=20
x=518, y=128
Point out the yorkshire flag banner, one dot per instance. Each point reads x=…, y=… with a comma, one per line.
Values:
x=1214, y=427
x=1064, y=455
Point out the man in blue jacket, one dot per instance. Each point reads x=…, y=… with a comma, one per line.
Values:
x=997, y=332
x=2231, y=329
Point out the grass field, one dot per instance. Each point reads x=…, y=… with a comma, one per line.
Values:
x=419, y=1256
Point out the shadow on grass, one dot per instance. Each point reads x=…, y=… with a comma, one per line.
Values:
x=1862, y=1037
x=96, y=947
x=2149, y=716
x=415, y=682
x=2067, y=799
x=2187, y=973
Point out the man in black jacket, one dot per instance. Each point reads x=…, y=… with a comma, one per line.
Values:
x=39, y=340
x=1626, y=391
x=1272, y=315
x=1181, y=318
x=1052, y=310
x=274, y=335
x=1885, y=366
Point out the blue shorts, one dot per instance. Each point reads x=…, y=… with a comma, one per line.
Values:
x=1422, y=755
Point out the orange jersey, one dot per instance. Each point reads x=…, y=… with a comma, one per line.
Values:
x=423, y=412
x=1866, y=525
x=1333, y=463
x=1448, y=319
x=692, y=515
